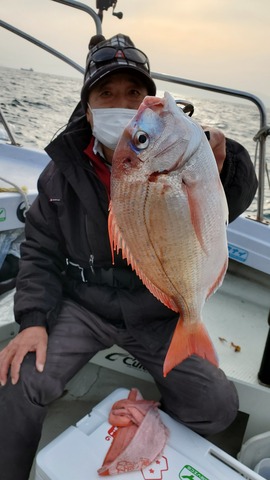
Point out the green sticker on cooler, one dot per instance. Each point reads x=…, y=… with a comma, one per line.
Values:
x=2, y=214
x=190, y=473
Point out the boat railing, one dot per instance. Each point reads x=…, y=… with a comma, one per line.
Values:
x=263, y=130
x=42, y=45
x=8, y=134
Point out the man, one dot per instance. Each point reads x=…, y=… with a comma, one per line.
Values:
x=70, y=301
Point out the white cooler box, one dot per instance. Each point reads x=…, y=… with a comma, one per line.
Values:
x=79, y=451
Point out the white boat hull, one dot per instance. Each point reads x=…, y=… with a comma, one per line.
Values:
x=249, y=243
x=21, y=167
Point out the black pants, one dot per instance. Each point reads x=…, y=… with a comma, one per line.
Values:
x=195, y=393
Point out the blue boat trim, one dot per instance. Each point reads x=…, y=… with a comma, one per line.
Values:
x=237, y=253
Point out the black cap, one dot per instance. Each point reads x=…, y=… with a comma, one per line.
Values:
x=121, y=55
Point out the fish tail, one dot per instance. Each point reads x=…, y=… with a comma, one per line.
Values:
x=189, y=339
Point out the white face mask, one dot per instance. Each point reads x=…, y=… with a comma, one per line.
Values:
x=109, y=124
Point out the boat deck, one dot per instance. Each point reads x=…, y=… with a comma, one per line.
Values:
x=238, y=314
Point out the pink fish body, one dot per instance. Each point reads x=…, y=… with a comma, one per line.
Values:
x=168, y=215
x=140, y=436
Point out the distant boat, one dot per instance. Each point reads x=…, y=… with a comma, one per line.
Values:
x=27, y=69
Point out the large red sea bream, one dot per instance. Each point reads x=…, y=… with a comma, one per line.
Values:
x=168, y=215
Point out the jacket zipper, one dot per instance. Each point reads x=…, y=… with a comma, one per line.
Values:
x=91, y=256
x=91, y=263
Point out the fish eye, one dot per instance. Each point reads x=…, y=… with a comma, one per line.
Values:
x=141, y=140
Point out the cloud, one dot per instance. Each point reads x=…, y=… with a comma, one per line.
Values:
x=224, y=42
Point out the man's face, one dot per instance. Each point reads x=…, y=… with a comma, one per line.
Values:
x=119, y=90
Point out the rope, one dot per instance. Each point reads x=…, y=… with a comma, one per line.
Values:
x=15, y=189
x=263, y=132
x=255, y=163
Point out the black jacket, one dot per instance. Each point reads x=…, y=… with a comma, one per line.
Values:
x=68, y=219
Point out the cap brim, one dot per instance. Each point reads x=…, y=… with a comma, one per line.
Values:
x=134, y=70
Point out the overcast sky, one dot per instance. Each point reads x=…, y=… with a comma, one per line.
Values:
x=222, y=42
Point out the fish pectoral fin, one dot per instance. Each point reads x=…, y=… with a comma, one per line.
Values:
x=196, y=211
x=189, y=339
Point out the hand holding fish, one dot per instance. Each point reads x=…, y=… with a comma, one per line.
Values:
x=218, y=144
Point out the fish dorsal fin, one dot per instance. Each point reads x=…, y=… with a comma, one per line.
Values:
x=118, y=243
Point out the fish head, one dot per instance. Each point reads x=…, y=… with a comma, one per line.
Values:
x=160, y=138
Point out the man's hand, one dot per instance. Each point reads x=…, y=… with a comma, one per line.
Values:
x=32, y=339
x=218, y=144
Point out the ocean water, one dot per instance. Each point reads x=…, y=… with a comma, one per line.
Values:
x=38, y=105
